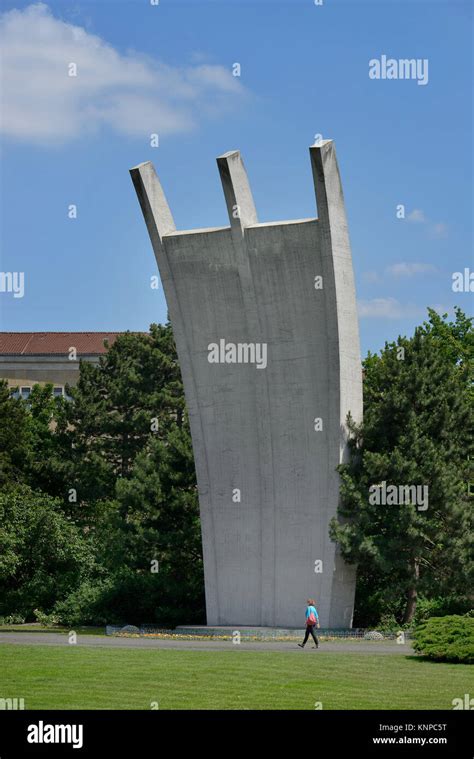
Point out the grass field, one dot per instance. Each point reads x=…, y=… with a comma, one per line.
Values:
x=37, y=628
x=71, y=677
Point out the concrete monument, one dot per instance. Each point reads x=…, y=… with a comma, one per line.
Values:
x=265, y=322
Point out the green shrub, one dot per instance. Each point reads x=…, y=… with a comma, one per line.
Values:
x=440, y=607
x=83, y=605
x=389, y=623
x=446, y=639
x=131, y=598
x=12, y=619
x=45, y=619
x=43, y=555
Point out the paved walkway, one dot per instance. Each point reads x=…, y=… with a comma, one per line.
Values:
x=98, y=641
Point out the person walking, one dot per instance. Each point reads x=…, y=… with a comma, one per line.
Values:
x=312, y=621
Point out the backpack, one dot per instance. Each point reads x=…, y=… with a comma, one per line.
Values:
x=311, y=620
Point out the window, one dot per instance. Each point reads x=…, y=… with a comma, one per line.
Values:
x=25, y=392
x=14, y=393
x=57, y=392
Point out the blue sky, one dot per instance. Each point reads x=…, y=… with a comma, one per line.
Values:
x=167, y=69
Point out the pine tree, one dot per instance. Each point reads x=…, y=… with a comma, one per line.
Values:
x=14, y=437
x=127, y=451
x=133, y=394
x=417, y=430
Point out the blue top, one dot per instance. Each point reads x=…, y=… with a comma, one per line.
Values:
x=310, y=609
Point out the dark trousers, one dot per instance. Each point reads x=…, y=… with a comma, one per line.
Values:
x=310, y=629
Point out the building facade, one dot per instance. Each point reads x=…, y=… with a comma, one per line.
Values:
x=29, y=358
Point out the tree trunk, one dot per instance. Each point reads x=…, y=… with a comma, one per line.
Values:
x=412, y=595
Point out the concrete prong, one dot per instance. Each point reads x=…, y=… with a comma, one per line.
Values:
x=237, y=192
x=155, y=208
x=327, y=181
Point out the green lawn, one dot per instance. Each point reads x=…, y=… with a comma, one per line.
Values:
x=71, y=677
x=37, y=628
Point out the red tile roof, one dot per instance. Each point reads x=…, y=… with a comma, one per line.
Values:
x=50, y=343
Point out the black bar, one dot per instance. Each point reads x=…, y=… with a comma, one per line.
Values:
x=224, y=733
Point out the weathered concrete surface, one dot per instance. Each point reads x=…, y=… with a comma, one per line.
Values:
x=254, y=429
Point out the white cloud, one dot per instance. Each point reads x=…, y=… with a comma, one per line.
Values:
x=131, y=94
x=439, y=230
x=386, y=308
x=417, y=215
x=404, y=269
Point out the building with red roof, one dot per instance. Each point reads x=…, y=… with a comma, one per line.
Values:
x=28, y=358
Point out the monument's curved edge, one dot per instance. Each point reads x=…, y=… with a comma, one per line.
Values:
x=266, y=471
